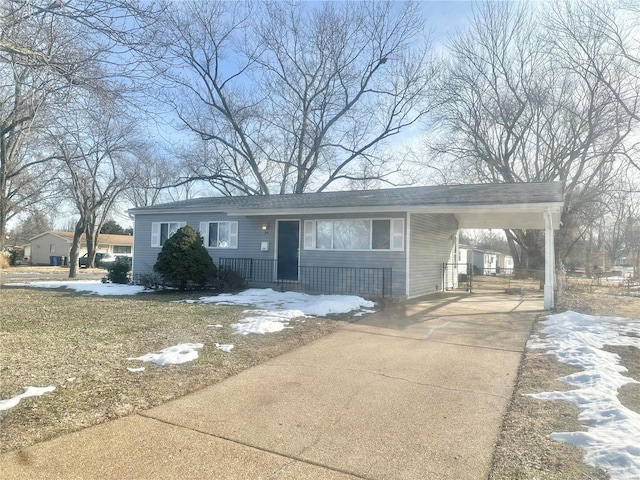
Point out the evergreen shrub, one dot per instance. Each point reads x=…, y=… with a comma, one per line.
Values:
x=184, y=262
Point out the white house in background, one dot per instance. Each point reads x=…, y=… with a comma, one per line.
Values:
x=485, y=262
x=505, y=262
x=317, y=241
x=58, y=244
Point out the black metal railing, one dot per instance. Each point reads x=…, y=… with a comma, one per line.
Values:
x=364, y=281
x=457, y=276
x=256, y=270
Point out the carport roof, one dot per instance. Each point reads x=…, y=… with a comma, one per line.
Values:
x=503, y=205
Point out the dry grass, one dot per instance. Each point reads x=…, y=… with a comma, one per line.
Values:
x=80, y=344
x=523, y=450
x=4, y=262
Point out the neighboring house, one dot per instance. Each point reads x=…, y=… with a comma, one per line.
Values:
x=58, y=244
x=409, y=232
x=484, y=262
x=505, y=262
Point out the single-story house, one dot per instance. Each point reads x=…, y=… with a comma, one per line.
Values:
x=58, y=244
x=401, y=237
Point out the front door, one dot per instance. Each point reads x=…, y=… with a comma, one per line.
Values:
x=288, y=249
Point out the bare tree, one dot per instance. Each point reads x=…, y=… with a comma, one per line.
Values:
x=618, y=25
x=520, y=106
x=98, y=148
x=47, y=50
x=155, y=174
x=293, y=97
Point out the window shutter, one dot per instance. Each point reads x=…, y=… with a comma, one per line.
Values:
x=309, y=235
x=233, y=234
x=155, y=234
x=397, y=234
x=204, y=233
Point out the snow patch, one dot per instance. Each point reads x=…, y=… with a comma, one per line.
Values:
x=181, y=353
x=92, y=287
x=225, y=347
x=612, y=440
x=268, y=299
x=28, y=392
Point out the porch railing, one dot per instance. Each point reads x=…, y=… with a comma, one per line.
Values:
x=364, y=281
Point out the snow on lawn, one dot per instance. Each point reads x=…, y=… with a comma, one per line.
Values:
x=225, y=347
x=268, y=299
x=277, y=309
x=28, y=392
x=181, y=353
x=95, y=287
x=612, y=439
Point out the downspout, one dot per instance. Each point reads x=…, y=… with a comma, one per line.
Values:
x=407, y=251
x=549, y=261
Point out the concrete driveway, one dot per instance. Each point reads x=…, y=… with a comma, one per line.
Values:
x=417, y=391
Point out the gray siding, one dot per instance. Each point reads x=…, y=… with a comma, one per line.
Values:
x=432, y=238
x=396, y=260
x=251, y=235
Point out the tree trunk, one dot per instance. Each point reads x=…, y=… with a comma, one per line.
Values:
x=75, y=247
x=91, y=247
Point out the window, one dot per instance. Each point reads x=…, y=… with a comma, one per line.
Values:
x=219, y=234
x=161, y=231
x=52, y=248
x=121, y=249
x=354, y=234
x=381, y=235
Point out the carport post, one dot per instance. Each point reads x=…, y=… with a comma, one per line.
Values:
x=549, y=261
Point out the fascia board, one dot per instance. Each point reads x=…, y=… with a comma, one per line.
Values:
x=525, y=207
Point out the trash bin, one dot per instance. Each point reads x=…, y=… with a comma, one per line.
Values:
x=60, y=261
x=65, y=261
x=53, y=261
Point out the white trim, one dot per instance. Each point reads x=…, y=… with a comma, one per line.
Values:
x=393, y=232
x=309, y=236
x=549, y=262
x=155, y=242
x=155, y=234
x=407, y=252
x=556, y=207
x=233, y=234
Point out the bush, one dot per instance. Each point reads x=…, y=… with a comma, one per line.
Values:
x=118, y=271
x=183, y=261
x=150, y=281
x=230, y=280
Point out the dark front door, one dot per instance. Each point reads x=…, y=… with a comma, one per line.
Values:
x=288, y=245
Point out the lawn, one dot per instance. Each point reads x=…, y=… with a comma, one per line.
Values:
x=524, y=451
x=80, y=345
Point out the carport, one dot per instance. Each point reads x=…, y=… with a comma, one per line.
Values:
x=514, y=211
x=525, y=217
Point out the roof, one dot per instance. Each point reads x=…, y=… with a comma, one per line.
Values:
x=104, y=238
x=484, y=194
x=496, y=205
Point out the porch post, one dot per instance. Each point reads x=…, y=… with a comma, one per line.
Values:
x=549, y=261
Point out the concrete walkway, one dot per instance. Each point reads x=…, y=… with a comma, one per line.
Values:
x=415, y=392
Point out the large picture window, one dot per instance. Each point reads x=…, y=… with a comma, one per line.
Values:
x=161, y=231
x=219, y=234
x=354, y=234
